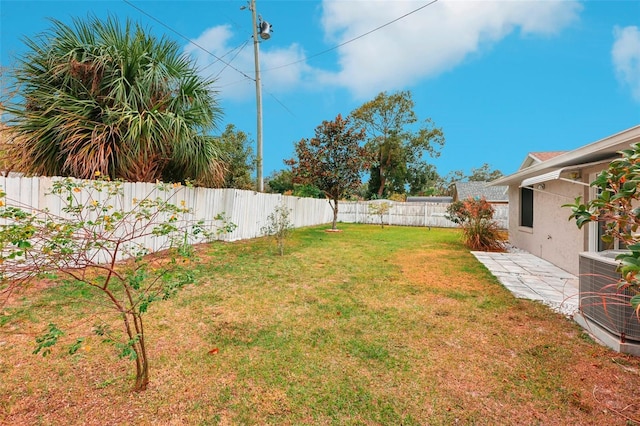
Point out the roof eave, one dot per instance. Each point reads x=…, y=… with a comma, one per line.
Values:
x=603, y=148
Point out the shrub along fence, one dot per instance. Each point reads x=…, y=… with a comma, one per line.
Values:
x=248, y=210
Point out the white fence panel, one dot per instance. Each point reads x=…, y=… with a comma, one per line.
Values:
x=501, y=215
x=21, y=192
x=249, y=210
x=401, y=214
x=409, y=214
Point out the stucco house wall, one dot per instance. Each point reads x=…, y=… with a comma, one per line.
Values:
x=557, y=181
x=553, y=236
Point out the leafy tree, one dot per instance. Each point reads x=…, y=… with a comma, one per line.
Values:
x=85, y=244
x=332, y=161
x=480, y=174
x=280, y=181
x=98, y=96
x=396, y=140
x=457, y=213
x=237, y=154
x=307, y=190
x=423, y=179
x=484, y=174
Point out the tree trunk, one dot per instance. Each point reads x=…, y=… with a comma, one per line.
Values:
x=142, y=361
x=135, y=331
x=385, y=162
x=383, y=180
x=334, y=225
x=142, y=373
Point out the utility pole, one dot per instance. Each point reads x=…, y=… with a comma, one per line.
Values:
x=265, y=29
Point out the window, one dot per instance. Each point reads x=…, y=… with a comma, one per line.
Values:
x=526, y=207
x=612, y=245
x=601, y=231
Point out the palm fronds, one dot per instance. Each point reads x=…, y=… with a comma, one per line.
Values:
x=101, y=96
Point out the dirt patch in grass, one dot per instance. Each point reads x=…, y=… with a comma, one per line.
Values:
x=520, y=363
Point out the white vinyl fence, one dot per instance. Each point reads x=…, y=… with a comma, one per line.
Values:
x=248, y=210
x=424, y=214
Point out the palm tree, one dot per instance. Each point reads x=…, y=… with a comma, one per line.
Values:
x=97, y=96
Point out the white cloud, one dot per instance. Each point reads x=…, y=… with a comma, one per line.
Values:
x=430, y=41
x=626, y=57
x=235, y=70
x=422, y=45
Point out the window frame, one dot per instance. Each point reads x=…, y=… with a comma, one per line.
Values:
x=526, y=207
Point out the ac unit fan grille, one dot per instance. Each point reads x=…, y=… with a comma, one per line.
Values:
x=602, y=303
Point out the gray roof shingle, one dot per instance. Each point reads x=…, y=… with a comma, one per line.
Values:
x=465, y=190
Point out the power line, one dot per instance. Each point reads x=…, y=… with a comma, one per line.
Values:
x=187, y=39
x=306, y=58
x=353, y=39
x=227, y=64
x=240, y=49
x=281, y=104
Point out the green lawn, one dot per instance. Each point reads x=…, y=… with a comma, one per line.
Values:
x=363, y=327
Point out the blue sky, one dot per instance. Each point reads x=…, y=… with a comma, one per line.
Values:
x=501, y=78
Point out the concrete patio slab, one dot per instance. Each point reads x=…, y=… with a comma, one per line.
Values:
x=529, y=277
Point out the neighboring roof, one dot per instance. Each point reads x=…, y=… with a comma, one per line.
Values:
x=480, y=190
x=434, y=199
x=604, y=149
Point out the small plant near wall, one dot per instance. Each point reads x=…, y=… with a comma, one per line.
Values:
x=379, y=209
x=617, y=207
x=279, y=226
x=98, y=242
x=475, y=217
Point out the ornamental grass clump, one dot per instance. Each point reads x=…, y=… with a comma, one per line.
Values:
x=475, y=217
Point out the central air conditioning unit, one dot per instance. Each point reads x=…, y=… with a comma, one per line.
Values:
x=602, y=304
